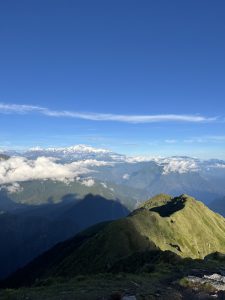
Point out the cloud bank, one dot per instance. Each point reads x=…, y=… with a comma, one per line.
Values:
x=19, y=169
x=28, y=109
x=179, y=165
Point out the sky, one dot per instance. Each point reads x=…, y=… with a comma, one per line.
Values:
x=137, y=77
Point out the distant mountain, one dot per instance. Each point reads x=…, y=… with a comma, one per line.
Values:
x=129, y=179
x=182, y=226
x=77, y=152
x=218, y=205
x=39, y=192
x=175, y=175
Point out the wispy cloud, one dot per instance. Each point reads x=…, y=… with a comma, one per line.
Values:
x=206, y=139
x=171, y=141
x=28, y=109
x=19, y=108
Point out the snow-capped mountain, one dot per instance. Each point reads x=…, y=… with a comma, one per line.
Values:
x=173, y=164
x=76, y=152
x=86, y=165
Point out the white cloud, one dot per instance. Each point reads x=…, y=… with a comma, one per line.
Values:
x=104, y=185
x=170, y=141
x=26, y=109
x=178, y=165
x=19, y=108
x=126, y=176
x=88, y=182
x=219, y=166
x=18, y=169
x=12, y=188
x=206, y=139
x=137, y=159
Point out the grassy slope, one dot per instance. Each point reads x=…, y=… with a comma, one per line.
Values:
x=187, y=228
x=160, y=282
x=192, y=231
x=195, y=229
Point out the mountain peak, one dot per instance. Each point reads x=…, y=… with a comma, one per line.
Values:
x=166, y=205
x=74, y=148
x=157, y=200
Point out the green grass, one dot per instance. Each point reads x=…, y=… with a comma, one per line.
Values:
x=87, y=288
x=142, y=242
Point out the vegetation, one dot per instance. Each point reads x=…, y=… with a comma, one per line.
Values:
x=181, y=225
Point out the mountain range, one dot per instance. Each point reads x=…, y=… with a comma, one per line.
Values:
x=118, y=174
x=55, y=190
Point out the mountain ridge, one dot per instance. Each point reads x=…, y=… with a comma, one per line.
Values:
x=180, y=225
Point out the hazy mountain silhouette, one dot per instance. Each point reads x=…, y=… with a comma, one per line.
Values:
x=26, y=234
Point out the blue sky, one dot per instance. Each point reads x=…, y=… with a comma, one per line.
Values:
x=139, y=77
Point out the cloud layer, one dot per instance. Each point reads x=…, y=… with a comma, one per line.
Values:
x=28, y=109
x=179, y=165
x=19, y=169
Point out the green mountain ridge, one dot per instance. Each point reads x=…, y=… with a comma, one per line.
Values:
x=181, y=226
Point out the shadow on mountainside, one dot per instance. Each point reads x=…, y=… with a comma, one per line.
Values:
x=27, y=234
x=93, y=209
x=6, y=204
x=94, y=250
x=169, y=208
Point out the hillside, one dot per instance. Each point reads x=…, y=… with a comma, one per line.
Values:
x=182, y=225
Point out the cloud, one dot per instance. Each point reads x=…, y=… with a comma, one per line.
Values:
x=19, y=108
x=206, y=139
x=88, y=182
x=139, y=159
x=12, y=188
x=104, y=185
x=178, y=165
x=171, y=141
x=126, y=176
x=19, y=169
x=219, y=166
x=27, y=109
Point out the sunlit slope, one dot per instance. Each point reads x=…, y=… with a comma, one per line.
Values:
x=183, y=225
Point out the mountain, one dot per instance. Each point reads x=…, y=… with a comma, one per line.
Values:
x=138, y=178
x=39, y=192
x=28, y=231
x=156, y=177
x=165, y=227
x=76, y=152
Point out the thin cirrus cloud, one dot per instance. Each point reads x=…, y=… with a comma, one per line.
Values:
x=29, y=109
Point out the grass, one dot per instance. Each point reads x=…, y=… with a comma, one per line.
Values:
x=87, y=288
x=157, y=283
x=130, y=248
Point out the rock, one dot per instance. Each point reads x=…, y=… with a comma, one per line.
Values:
x=215, y=280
